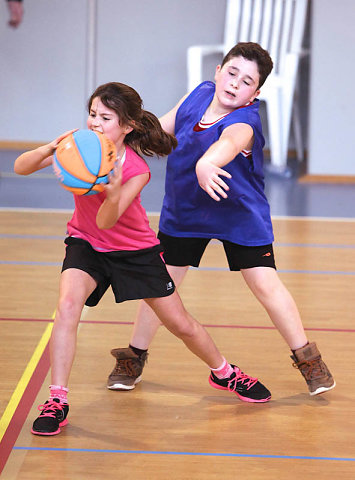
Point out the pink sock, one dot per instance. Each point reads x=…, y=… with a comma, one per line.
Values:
x=60, y=392
x=224, y=371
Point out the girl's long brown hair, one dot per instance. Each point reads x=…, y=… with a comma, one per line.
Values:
x=147, y=137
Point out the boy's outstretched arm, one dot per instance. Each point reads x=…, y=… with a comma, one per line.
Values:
x=234, y=139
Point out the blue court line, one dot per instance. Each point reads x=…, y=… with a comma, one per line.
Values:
x=276, y=244
x=313, y=272
x=43, y=264
x=313, y=245
x=212, y=269
x=201, y=454
x=318, y=272
x=32, y=237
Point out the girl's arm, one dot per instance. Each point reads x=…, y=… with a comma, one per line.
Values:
x=41, y=157
x=167, y=121
x=119, y=197
x=234, y=139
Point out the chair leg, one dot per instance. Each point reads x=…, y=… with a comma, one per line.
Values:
x=194, y=67
x=275, y=127
x=297, y=127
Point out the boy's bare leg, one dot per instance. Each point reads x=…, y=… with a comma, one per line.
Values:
x=266, y=285
x=279, y=304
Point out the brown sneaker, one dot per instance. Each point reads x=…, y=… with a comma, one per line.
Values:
x=309, y=361
x=128, y=369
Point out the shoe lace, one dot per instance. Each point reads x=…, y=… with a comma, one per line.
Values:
x=49, y=409
x=312, y=368
x=241, y=377
x=127, y=366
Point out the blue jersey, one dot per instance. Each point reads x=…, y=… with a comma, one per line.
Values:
x=188, y=211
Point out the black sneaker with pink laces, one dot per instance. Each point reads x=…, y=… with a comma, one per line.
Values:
x=53, y=416
x=247, y=388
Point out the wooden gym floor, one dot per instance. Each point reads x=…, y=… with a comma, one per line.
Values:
x=174, y=425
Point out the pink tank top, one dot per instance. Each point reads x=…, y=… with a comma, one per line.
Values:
x=132, y=230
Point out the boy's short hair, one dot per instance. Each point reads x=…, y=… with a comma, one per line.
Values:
x=252, y=51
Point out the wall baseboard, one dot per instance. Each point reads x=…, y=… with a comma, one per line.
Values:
x=19, y=145
x=345, y=179
x=27, y=145
x=291, y=154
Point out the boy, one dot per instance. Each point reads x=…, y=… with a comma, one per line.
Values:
x=215, y=189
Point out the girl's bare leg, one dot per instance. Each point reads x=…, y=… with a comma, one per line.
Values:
x=178, y=321
x=147, y=323
x=75, y=287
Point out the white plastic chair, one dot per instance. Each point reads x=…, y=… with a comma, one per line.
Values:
x=278, y=26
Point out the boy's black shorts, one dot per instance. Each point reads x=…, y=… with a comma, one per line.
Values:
x=183, y=251
x=132, y=274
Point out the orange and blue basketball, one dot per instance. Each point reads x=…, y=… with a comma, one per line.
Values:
x=83, y=161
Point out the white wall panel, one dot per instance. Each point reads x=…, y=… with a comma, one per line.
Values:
x=332, y=122
x=43, y=84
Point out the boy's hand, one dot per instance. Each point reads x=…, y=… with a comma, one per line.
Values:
x=208, y=176
x=113, y=187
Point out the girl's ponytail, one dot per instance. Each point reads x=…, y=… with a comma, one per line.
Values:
x=148, y=137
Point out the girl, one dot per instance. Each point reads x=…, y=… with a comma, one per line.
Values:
x=110, y=243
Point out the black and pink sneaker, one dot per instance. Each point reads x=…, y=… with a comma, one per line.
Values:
x=247, y=388
x=53, y=416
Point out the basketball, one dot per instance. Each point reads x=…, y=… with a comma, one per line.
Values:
x=83, y=160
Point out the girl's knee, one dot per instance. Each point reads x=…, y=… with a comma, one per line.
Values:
x=185, y=327
x=181, y=331
x=68, y=310
x=171, y=312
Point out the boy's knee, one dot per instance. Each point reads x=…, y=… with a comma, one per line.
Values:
x=263, y=291
x=262, y=288
x=264, y=283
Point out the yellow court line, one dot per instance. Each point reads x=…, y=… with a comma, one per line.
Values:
x=27, y=374
x=22, y=384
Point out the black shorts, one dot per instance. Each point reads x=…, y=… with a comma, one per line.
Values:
x=183, y=251
x=132, y=274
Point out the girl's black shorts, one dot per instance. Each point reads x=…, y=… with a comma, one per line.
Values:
x=183, y=251
x=132, y=274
